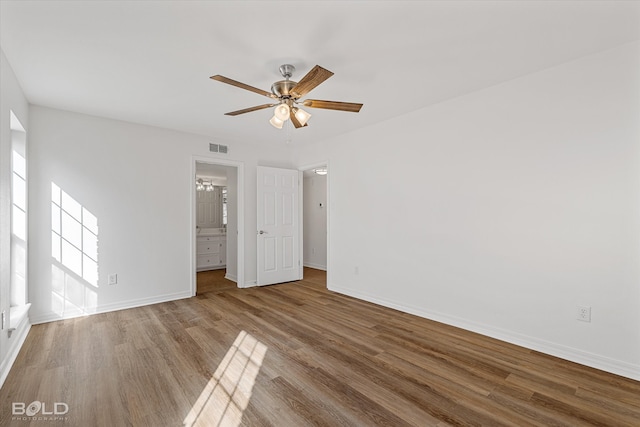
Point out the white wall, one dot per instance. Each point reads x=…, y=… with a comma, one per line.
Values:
x=315, y=222
x=136, y=180
x=12, y=99
x=508, y=207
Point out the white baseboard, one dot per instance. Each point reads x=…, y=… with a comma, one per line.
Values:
x=15, y=344
x=230, y=277
x=51, y=317
x=602, y=363
x=250, y=284
x=316, y=266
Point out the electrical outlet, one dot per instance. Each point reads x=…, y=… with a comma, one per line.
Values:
x=113, y=279
x=584, y=313
x=356, y=270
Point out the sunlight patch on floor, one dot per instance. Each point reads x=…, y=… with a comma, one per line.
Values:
x=226, y=396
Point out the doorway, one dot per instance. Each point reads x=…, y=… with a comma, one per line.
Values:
x=315, y=221
x=217, y=225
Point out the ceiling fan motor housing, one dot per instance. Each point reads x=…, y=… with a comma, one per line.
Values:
x=282, y=88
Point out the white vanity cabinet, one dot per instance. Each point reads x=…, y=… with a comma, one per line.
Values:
x=211, y=252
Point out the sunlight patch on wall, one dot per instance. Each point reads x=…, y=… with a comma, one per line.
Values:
x=74, y=247
x=226, y=396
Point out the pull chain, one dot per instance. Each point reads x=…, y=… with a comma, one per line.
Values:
x=289, y=125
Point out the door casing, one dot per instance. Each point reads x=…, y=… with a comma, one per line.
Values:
x=240, y=213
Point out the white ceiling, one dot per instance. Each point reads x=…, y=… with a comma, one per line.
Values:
x=149, y=62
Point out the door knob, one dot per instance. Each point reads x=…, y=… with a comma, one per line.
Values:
x=262, y=232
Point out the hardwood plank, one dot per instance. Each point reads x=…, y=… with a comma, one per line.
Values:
x=517, y=400
x=213, y=281
x=312, y=410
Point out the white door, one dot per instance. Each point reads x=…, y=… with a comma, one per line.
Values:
x=278, y=229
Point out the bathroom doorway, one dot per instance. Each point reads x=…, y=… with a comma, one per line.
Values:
x=315, y=222
x=217, y=249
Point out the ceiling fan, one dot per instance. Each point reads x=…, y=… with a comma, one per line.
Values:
x=286, y=95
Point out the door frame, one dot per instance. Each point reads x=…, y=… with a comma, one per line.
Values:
x=301, y=215
x=193, y=220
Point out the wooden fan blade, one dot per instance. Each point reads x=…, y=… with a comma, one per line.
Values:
x=333, y=105
x=242, y=85
x=250, y=109
x=295, y=121
x=312, y=79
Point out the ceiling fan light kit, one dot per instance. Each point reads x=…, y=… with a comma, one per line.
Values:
x=288, y=93
x=281, y=112
x=301, y=115
x=276, y=122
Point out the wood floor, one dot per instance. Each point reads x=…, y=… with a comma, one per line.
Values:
x=212, y=281
x=297, y=355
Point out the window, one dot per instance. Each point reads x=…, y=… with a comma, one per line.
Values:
x=18, y=230
x=18, y=284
